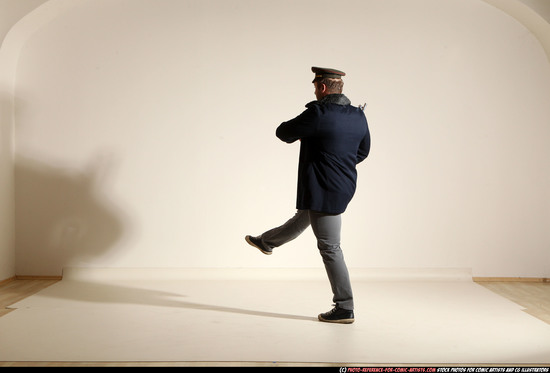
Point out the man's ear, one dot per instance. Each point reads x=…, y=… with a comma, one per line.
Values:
x=322, y=87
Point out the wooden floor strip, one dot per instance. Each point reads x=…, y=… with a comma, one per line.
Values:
x=511, y=279
x=17, y=290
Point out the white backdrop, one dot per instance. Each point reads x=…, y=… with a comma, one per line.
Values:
x=145, y=134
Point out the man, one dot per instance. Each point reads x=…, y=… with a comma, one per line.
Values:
x=334, y=138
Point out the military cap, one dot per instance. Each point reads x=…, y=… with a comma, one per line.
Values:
x=322, y=72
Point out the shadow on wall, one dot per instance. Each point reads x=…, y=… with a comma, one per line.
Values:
x=61, y=218
x=5, y=127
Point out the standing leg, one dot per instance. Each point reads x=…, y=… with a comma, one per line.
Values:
x=327, y=231
x=279, y=236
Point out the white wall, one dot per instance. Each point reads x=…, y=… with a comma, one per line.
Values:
x=7, y=249
x=541, y=7
x=145, y=134
x=11, y=11
x=533, y=14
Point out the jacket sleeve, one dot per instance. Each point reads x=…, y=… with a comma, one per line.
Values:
x=364, y=147
x=298, y=128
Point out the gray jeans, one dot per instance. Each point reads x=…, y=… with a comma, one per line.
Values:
x=327, y=229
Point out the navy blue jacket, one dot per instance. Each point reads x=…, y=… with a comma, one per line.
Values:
x=334, y=138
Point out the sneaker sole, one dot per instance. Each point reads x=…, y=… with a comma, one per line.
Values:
x=247, y=238
x=341, y=321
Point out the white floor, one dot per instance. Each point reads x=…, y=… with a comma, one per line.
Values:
x=269, y=316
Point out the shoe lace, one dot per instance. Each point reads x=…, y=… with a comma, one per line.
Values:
x=332, y=310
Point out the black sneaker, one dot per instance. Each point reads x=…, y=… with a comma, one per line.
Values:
x=257, y=243
x=337, y=315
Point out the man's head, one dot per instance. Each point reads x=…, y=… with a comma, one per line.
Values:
x=327, y=81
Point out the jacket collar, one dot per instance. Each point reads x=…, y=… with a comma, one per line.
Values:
x=336, y=98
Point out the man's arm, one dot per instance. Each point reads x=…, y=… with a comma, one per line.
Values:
x=298, y=128
x=364, y=147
